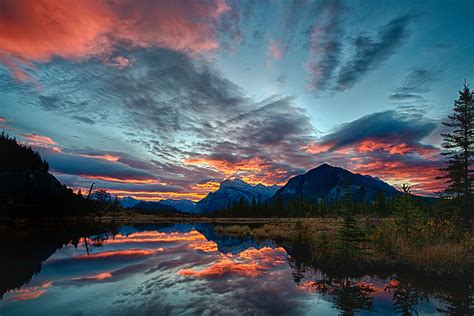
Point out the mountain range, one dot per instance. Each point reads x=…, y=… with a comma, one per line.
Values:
x=323, y=183
x=231, y=191
x=154, y=207
x=185, y=206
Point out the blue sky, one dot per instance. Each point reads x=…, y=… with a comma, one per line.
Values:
x=166, y=99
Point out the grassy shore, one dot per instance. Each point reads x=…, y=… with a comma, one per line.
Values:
x=131, y=218
x=431, y=252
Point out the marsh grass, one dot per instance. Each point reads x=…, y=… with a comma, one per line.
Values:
x=433, y=248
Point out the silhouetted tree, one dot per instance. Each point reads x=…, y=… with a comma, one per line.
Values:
x=349, y=236
x=405, y=297
x=459, y=151
x=407, y=214
x=102, y=196
x=350, y=296
x=17, y=157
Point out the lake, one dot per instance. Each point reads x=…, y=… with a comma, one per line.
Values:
x=191, y=269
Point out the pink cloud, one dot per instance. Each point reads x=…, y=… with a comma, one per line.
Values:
x=36, y=140
x=29, y=293
x=111, y=158
x=275, y=50
x=97, y=277
x=119, y=254
x=38, y=30
x=317, y=148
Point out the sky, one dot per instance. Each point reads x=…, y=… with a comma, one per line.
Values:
x=165, y=99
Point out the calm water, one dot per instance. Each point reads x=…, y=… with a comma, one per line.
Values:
x=189, y=269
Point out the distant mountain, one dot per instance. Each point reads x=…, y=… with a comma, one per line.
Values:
x=185, y=206
x=232, y=191
x=330, y=183
x=154, y=208
x=128, y=202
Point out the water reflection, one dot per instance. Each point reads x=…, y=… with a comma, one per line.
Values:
x=189, y=269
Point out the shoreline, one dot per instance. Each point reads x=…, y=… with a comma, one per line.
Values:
x=150, y=219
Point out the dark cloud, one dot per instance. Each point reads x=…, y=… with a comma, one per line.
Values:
x=371, y=51
x=330, y=70
x=326, y=38
x=404, y=96
x=281, y=79
x=81, y=182
x=83, y=119
x=92, y=167
x=394, y=125
x=416, y=83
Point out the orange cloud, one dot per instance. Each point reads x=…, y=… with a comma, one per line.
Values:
x=112, y=179
x=153, y=196
x=249, y=263
x=38, y=30
x=422, y=178
x=119, y=253
x=209, y=186
x=252, y=170
x=312, y=286
x=317, y=148
x=225, y=266
x=26, y=294
x=266, y=256
x=40, y=141
x=394, y=147
x=206, y=246
x=97, y=277
x=152, y=237
x=107, y=157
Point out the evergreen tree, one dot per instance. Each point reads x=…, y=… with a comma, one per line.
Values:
x=349, y=236
x=405, y=297
x=459, y=151
x=17, y=157
x=351, y=297
x=407, y=214
x=380, y=203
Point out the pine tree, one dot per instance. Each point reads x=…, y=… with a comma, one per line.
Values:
x=407, y=214
x=349, y=236
x=459, y=151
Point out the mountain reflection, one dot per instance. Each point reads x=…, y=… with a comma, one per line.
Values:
x=188, y=268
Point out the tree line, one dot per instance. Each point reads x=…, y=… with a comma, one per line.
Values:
x=17, y=157
x=303, y=207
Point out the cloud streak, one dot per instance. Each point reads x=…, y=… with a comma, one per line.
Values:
x=371, y=51
x=326, y=44
x=418, y=82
